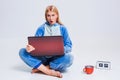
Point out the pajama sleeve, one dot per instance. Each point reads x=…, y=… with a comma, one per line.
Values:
x=67, y=40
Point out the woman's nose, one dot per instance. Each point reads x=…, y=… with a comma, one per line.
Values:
x=51, y=17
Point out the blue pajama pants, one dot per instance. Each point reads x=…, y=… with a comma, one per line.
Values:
x=60, y=63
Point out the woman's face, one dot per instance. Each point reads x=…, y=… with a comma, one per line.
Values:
x=51, y=17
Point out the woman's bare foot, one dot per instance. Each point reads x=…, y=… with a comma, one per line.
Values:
x=35, y=70
x=49, y=71
x=55, y=73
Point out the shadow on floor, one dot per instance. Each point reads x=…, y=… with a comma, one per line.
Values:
x=22, y=68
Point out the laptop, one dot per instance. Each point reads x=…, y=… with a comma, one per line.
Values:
x=46, y=45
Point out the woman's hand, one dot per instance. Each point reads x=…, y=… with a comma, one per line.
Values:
x=29, y=48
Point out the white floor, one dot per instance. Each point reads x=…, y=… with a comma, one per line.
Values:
x=12, y=67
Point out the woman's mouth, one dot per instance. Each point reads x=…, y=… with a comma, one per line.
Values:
x=51, y=21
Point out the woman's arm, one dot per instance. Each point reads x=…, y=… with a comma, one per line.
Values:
x=67, y=40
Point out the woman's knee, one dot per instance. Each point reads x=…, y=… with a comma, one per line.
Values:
x=68, y=59
x=61, y=64
x=22, y=52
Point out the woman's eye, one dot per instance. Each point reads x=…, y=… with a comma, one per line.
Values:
x=48, y=15
x=53, y=15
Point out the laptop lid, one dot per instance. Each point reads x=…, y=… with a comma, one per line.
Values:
x=46, y=45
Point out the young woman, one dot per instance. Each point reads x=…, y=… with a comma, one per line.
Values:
x=50, y=65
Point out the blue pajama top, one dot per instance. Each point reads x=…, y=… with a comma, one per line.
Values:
x=64, y=33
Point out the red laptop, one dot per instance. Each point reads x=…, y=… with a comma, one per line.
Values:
x=47, y=45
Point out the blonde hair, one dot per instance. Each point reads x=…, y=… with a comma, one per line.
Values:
x=53, y=9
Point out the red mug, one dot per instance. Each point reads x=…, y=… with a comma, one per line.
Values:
x=88, y=69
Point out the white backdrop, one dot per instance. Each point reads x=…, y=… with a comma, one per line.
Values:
x=93, y=17
x=93, y=25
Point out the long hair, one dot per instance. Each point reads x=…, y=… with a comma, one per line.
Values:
x=53, y=9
